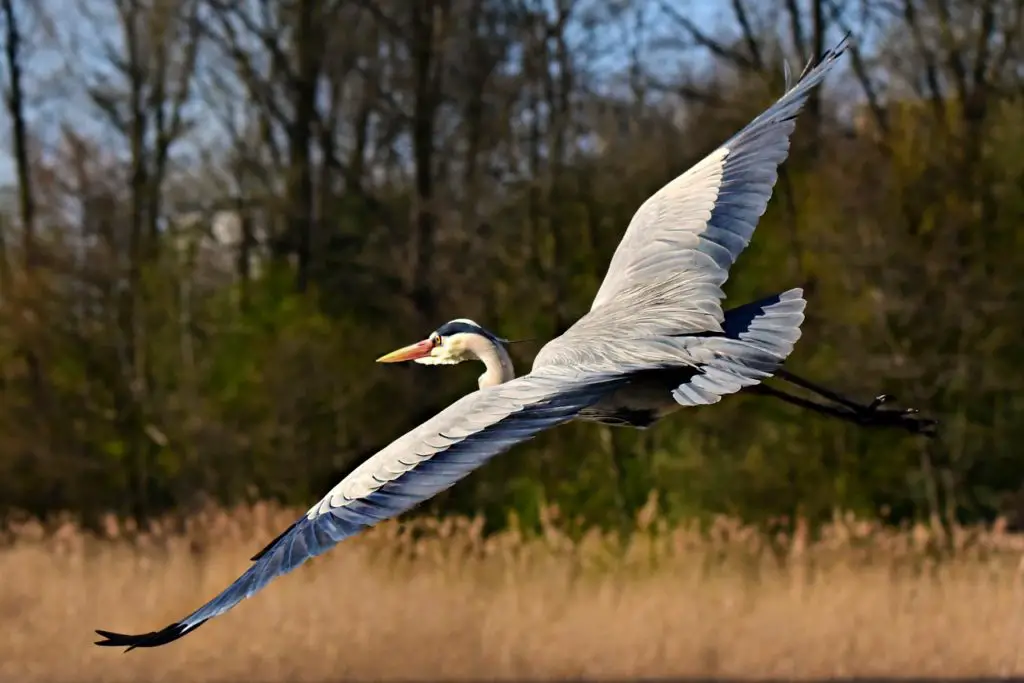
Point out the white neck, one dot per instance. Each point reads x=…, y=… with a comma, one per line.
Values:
x=495, y=359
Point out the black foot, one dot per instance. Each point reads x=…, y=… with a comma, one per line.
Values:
x=910, y=419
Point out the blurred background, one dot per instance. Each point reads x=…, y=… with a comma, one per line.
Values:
x=214, y=216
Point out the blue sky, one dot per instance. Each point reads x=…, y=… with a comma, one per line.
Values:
x=57, y=74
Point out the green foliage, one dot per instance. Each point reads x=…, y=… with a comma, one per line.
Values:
x=144, y=392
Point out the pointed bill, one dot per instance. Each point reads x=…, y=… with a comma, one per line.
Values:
x=412, y=352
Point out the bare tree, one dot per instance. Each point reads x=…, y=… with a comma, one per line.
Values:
x=14, y=53
x=155, y=59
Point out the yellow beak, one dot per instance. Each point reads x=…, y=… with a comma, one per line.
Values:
x=411, y=352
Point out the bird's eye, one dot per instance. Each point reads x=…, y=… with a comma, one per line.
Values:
x=437, y=340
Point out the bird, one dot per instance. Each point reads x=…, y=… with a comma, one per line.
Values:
x=655, y=340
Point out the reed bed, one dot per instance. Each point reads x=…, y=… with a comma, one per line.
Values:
x=438, y=601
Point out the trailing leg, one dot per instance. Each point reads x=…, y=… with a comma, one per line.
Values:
x=831, y=395
x=871, y=415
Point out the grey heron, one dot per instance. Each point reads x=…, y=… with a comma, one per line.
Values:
x=655, y=340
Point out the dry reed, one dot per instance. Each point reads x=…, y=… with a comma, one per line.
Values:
x=451, y=604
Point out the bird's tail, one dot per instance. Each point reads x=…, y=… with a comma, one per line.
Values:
x=757, y=339
x=770, y=326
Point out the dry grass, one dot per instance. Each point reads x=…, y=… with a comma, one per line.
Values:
x=859, y=602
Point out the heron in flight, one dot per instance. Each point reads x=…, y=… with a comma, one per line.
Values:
x=655, y=340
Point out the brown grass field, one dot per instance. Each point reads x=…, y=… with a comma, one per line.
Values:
x=449, y=604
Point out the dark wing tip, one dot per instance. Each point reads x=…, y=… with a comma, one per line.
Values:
x=831, y=54
x=152, y=639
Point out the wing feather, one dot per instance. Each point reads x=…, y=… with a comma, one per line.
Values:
x=665, y=278
x=713, y=208
x=448, y=446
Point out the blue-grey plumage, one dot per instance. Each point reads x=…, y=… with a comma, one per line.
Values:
x=439, y=453
x=655, y=340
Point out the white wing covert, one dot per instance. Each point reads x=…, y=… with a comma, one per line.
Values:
x=661, y=299
x=703, y=219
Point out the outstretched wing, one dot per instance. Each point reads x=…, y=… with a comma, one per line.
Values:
x=662, y=293
x=417, y=466
x=704, y=218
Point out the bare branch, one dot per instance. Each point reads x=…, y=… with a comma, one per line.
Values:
x=716, y=47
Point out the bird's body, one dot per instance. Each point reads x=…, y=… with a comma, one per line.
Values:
x=746, y=346
x=655, y=340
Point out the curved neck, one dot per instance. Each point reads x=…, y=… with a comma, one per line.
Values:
x=495, y=358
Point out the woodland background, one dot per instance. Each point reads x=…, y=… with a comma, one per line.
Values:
x=217, y=214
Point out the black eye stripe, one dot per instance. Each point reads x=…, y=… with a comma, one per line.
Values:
x=448, y=329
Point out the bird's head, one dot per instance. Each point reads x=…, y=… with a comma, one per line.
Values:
x=455, y=341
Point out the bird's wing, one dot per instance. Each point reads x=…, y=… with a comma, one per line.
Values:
x=417, y=466
x=704, y=218
x=663, y=286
